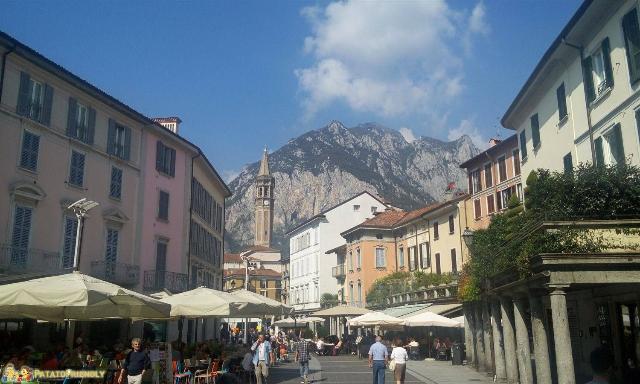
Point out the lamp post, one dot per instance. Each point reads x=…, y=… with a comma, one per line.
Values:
x=467, y=236
x=245, y=257
x=80, y=208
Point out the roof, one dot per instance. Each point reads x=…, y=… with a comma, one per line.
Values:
x=406, y=310
x=38, y=59
x=341, y=310
x=339, y=249
x=547, y=55
x=262, y=248
x=264, y=164
x=232, y=258
x=322, y=214
x=260, y=272
x=510, y=141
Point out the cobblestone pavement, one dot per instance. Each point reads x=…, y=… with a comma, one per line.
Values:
x=349, y=369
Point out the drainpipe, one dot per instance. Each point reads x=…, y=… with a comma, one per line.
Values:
x=586, y=101
x=4, y=66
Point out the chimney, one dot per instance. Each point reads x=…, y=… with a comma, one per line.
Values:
x=494, y=141
x=171, y=123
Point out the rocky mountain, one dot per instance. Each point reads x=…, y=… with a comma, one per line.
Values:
x=323, y=167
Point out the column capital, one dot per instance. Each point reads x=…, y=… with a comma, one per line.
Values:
x=557, y=289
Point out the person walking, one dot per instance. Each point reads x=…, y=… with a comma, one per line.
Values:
x=135, y=364
x=302, y=356
x=378, y=356
x=400, y=356
x=262, y=352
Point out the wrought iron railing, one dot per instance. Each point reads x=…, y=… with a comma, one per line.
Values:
x=19, y=260
x=117, y=273
x=338, y=271
x=158, y=280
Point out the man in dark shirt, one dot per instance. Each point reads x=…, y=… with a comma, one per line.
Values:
x=135, y=363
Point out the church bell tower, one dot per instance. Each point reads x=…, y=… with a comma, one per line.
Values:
x=265, y=184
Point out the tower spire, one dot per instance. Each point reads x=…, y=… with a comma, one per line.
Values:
x=264, y=199
x=264, y=164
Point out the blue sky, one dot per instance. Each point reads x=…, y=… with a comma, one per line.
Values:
x=247, y=74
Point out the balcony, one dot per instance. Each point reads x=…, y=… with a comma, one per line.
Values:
x=18, y=260
x=339, y=271
x=117, y=273
x=173, y=282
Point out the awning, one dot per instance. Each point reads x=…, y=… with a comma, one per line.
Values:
x=444, y=309
x=372, y=319
x=341, y=310
x=430, y=319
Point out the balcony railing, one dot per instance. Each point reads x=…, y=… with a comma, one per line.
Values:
x=117, y=273
x=338, y=271
x=155, y=281
x=18, y=260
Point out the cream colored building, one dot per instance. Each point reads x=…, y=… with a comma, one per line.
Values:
x=581, y=102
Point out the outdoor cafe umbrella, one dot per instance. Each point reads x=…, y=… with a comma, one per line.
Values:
x=372, y=319
x=76, y=296
x=207, y=302
x=266, y=305
x=430, y=319
x=290, y=323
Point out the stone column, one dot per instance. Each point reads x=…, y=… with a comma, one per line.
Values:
x=498, y=353
x=562, y=338
x=480, y=357
x=523, y=351
x=511, y=363
x=540, y=343
x=487, y=337
x=468, y=334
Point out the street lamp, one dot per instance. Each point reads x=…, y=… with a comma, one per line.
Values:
x=245, y=257
x=467, y=236
x=80, y=208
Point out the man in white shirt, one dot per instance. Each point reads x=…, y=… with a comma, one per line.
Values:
x=262, y=351
x=320, y=346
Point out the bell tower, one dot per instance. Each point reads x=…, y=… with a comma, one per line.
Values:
x=264, y=198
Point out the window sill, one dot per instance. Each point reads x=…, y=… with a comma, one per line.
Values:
x=166, y=221
x=563, y=121
x=116, y=199
x=28, y=171
x=436, y=238
x=452, y=232
x=74, y=186
x=78, y=141
x=168, y=175
x=600, y=98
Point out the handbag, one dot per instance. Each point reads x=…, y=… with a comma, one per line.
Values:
x=392, y=365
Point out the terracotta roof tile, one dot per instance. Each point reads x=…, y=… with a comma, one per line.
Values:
x=260, y=272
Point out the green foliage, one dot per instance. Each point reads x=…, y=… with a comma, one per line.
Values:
x=322, y=331
x=403, y=282
x=307, y=333
x=327, y=300
x=512, y=239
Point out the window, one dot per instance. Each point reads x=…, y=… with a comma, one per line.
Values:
x=111, y=252
x=488, y=176
x=165, y=159
x=523, y=144
x=490, y=204
x=115, y=189
x=436, y=235
x=76, y=171
x=20, y=234
x=454, y=261
x=505, y=195
x=34, y=99
x=535, y=131
x=374, y=210
x=477, y=209
x=438, y=270
x=519, y=192
x=358, y=259
x=29, y=152
x=163, y=206
x=401, y=257
x=598, y=76
x=81, y=121
x=568, y=163
x=119, y=140
x=351, y=297
x=515, y=155
x=502, y=168
x=451, y=224
x=609, y=148
x=562, y=102
x=425, y=256
x=350, y=261
x=632, y=43
x=69, y=241
x=475, y=181
x=412, y=258
x=380, y=258
x=359, y=293
x=356, y=207
x=161, y=256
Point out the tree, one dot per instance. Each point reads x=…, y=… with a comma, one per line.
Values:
x=327, y=300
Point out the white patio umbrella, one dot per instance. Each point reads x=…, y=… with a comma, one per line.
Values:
x=76, y=296
x=372, y=319
x=289, y=322
x=430, y=319
x=460, y=320
x=266, y=305
x=207, y=302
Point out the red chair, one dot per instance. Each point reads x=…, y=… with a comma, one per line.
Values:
x=208, y=374
x=179, y=376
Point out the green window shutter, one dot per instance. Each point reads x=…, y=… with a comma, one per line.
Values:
x=91, y=129
x=127, y=143
x=606, y=53
x=568, y=163
x=562, y=102
x=588, y=79
x=599, y=152
x=172, y=163
x=632, y=43
x=535, y=131
x=159, y=156
x=47, y=105
x=111, y=137
x=523, y=144
x=72, y=121
x=617, y=148
x=24, y=95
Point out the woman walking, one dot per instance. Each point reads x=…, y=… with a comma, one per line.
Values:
x=400, y=356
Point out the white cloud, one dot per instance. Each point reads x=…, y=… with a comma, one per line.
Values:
x=387, y=58
x=229, y=174
x=408, y=135
x=467, y=127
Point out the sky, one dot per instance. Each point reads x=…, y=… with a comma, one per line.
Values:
x=245, y=75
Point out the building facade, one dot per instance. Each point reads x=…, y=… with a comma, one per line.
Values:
x=310, y=267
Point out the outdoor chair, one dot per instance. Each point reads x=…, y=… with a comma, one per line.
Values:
x=441, y=353
x=414, y=353
x=179, y=374
x=209, y=375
